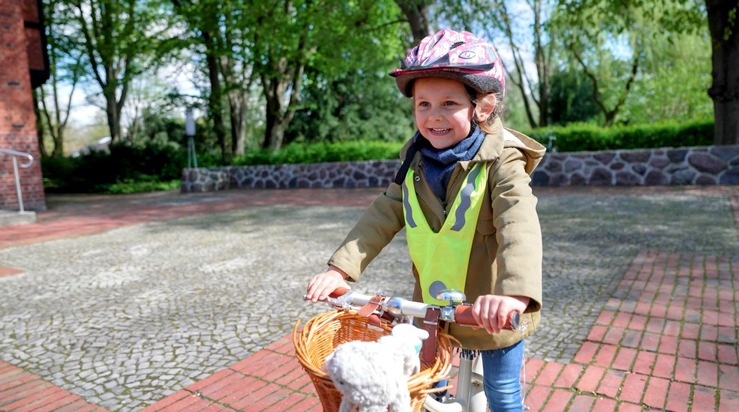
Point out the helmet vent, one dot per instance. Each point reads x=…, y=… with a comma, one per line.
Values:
x=455, y=45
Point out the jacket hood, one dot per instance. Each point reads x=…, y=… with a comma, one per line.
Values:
x=498, y=139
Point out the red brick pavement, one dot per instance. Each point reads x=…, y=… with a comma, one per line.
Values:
x=665, y=341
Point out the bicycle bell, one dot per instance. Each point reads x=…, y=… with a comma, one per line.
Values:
x=454, y=297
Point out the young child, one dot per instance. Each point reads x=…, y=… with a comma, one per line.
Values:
x=466, y=204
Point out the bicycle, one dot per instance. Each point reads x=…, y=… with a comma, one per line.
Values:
x=470, y=396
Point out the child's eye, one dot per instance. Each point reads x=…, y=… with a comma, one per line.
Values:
x=449, y=103
x=423, y=104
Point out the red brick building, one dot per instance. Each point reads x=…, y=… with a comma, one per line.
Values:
x=23, y=66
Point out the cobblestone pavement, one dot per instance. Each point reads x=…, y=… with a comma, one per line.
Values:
x=126, y=316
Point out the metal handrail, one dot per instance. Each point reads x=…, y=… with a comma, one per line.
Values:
x=29, y=161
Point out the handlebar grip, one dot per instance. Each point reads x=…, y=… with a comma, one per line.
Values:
x=463, y=316
x=338, y=292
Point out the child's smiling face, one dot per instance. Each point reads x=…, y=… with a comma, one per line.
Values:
x=443, y=110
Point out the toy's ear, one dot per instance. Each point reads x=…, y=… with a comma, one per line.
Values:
x=405, y=329
x=422, y=334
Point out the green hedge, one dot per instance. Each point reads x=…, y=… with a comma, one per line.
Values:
x=322, y=152
x=586, y=137
x=124, y=169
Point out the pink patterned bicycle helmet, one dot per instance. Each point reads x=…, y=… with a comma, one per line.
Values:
x=456, y=55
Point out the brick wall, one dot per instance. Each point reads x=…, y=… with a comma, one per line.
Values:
x=17, y=119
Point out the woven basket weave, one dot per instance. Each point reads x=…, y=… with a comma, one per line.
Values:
x=324, y=332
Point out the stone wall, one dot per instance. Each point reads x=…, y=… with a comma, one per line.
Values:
x=709, y=165
x=681, y=166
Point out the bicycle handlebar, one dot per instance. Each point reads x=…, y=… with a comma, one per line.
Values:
x=338, y=292
x=460, y=314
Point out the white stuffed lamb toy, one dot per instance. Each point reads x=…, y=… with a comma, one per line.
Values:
x=374, y=375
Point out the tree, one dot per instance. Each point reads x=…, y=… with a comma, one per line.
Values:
x=673, y=81
x=609, y=49
x=284, y=41
x=680, y=16
x=120, y=39
x=570, y=97
x=536, y=91
x=309, y=36
x=724, y=91
x=348, y=94
x=204, y=20
x=521, y=29
x=609, y=111
x=416, y=13
x=65, y=67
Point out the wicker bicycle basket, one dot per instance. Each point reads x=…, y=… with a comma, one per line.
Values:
x=323, y=333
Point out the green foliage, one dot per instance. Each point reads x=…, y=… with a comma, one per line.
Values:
x=115, y=41
x=590, y=137
x=570, y=98
x=358, y=106
x=132, y=186
x=125, y=168
x=297, y=153
x=347, y=93
x=674, y=83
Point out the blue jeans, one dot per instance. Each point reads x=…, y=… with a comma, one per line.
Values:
x=502, y=371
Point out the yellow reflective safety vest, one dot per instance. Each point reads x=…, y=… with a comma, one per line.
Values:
x=442, y=258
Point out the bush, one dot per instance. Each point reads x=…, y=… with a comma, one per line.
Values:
x=296, y=153
x=111, y=172
x=131, y=186
x=588, y=137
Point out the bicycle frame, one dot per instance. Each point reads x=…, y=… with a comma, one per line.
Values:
x=470, y=396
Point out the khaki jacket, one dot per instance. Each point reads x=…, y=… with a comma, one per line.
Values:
x=506, y=256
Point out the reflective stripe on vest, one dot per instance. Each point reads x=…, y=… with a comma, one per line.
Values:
x=442, y=258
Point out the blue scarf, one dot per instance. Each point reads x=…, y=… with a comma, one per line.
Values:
x=439, y=163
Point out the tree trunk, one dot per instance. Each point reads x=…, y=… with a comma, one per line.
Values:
x=237, y=108
x=416, y=11
x=724, y=89
x=234, y=90
x=282, y=93
x=236, y=105
x=111, y=112
x=215, y=99
x=277, y=132
x=274, y=94
x=57, y=130
x=39, y=124
x=542, y=65
x=521, y=79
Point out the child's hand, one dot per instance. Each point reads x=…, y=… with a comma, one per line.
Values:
x=324, y=283
x=492, y=312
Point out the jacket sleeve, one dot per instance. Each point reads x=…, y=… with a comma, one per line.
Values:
x=518, y=233
x=373, y=231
